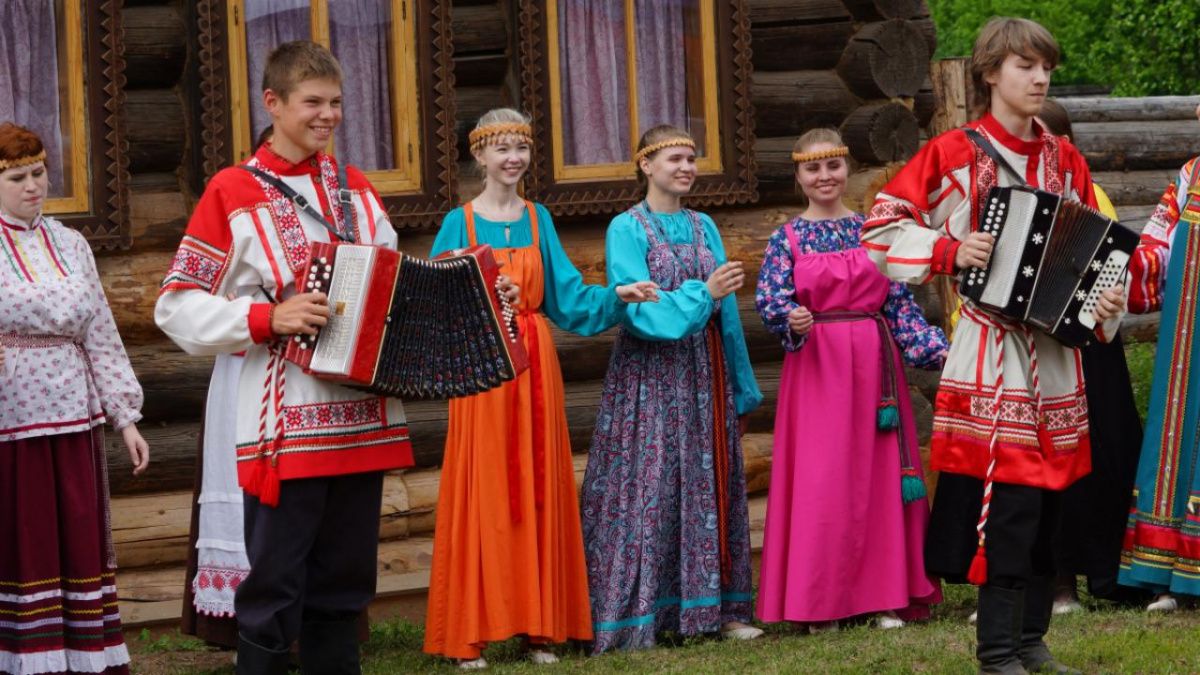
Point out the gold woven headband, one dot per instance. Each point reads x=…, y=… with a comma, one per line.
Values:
x=802, y=157
x=22, y=161
x=488, y=133
x=669, y=143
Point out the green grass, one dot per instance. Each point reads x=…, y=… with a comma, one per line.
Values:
x=1140, y=357
x=1106, y=639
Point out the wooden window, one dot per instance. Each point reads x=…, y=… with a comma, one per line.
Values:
x=604, y=71
x=61, y=59
x=397, y=115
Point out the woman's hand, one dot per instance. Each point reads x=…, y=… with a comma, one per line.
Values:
x=725, y=280
x=303, y=313
x=508, y=290
x=139, y=449
x=640, y=291
x=975, y=251
x=1111, y=304
x=800, y=320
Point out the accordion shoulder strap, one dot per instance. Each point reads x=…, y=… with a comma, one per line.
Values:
x=988, y=149
x=301, y=203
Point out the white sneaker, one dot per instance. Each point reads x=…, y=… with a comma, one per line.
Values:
x=742, y=633
x=474, y=664
x=1067, y=606
x=1163, y=603
x=542, y=657
x=889, y=621
x=973, y=618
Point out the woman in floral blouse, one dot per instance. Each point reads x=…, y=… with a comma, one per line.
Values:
x=847, y=512
x=63, y=373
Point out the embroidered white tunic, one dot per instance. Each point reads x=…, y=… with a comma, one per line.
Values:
x=246, y=239
x=65, y=367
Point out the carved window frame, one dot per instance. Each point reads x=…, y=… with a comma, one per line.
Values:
x=732, y=182
x=437, y=152
x=98, y=205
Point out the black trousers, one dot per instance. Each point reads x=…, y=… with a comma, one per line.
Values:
x=313, y=557
x=1020, y=531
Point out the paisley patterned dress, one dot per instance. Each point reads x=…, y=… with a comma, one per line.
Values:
x=665, y=521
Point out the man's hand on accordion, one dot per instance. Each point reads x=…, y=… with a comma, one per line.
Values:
x=1111, y=304
x=639, y=291
x=975, y=251
x=303, y=313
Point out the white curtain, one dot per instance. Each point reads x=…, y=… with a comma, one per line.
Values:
x=29, y=79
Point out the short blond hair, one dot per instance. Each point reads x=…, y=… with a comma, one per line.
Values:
x=291, y=63
x=815, y=136
x=1000, y=37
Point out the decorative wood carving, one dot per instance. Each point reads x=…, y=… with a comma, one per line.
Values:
x=106, y=225
x=735, y=184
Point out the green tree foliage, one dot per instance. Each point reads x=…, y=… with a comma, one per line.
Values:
x=1137, y=47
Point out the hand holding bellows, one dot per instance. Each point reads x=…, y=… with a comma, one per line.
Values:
x=800, y=320
x=975, y=251
x=640, y=291
x=1110, y=304
x=725, y=280
x=303, y=313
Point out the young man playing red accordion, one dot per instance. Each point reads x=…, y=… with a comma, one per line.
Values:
x=1010, y=424
x=311, y=454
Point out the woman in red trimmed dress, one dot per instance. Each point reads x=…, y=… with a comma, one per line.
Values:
x=63, y=372
x=1010, y=426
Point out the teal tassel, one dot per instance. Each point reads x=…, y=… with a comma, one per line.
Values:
x=912, y=488
x=887, y=417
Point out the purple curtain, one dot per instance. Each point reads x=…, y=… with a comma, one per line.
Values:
x=662, y=63
x=29, y=79
x=359, y=34
x=359, y=39
x=591, y=43
x=269, y=23
x=592, y=58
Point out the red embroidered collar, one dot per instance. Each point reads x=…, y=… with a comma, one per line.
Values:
x=17, y=224
x=997, y=131
x=281, y=166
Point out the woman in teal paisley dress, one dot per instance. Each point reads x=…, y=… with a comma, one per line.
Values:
x=665, y=523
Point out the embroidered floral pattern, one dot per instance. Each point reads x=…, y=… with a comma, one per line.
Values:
x=336, y=414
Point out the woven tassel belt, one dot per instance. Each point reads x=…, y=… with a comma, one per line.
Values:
x=887, y=415
x=36, y=341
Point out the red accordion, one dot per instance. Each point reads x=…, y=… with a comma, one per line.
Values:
x=409, y=327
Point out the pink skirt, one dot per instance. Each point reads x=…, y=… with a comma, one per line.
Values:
x=58, y=593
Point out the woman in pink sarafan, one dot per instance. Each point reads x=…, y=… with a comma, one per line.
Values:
x=847, y=512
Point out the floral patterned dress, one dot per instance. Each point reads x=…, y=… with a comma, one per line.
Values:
x=65, y=373
x=665, y=522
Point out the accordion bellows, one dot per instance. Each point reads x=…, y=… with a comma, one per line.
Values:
x=1052, y=259
x=409, y=327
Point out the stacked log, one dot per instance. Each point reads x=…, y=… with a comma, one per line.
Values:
x=859, y=65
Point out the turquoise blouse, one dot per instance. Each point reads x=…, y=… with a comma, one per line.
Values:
x=685, y=310
x=571, y=304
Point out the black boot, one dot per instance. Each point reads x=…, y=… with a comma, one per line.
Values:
x=998, y=630
x=255, y=660
x=1039, y=605
x=329, y=647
